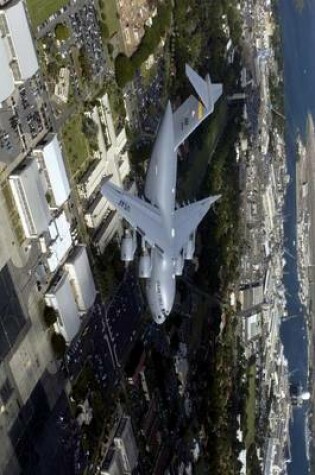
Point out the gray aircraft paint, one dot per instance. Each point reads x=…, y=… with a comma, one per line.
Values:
x=166, y=231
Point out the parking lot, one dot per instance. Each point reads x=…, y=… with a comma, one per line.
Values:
x=23, y=119
x=109, y=334
x=82, y=51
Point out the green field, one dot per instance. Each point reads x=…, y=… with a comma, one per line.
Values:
x=13, y=214
x=250, y=406
x=109, y=9
x=76, y=145
x=40, y=10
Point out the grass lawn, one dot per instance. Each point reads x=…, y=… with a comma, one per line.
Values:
x=13, y=213
x=250, y=406
x=75, y=145
x=40, y=10
x=109, y=9
x=196, y=170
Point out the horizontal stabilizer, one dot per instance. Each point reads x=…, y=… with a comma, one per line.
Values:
x=199, y=84
x=194, y=110
x=141, y=215
x=188, y=218
x=208, y=93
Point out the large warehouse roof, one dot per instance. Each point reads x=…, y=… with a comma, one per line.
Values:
x=6, y=76
x=30, y=198
x=22, y=40
x=55, y=168
x=81, y=278
x=59, y=230
x=61, y=298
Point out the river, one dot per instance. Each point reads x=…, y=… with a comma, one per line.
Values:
x=298, y=34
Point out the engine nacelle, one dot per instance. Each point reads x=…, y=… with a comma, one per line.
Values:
x=189, y=250
x=179, y=265
x=127, y=248
x=145, y=266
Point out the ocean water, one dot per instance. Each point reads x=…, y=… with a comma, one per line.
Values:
x=298, y=35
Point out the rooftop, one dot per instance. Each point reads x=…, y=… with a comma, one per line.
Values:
x=55, y=168
x=6, y=76
x=21, y=38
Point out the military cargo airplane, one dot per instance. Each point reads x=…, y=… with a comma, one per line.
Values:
x=167, y=233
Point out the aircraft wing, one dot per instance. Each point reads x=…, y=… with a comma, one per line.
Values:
x=142, y=216
x=188, y=218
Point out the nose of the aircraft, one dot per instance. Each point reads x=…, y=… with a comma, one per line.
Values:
x=159, y=318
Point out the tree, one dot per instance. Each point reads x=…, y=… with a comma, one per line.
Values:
x=84, y=63
x=89, y=127
x=59, y=344
x=50, y=316
x=124, y=70
x=53, y=69
x=62, y=32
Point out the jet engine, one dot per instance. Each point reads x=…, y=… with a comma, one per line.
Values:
x=145, y=265
x=128, y=247
x=179, y=264
x=189, y=250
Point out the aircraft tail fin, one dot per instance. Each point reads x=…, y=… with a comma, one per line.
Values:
x=195, y=109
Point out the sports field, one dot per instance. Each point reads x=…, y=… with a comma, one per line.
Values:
x=40, y=10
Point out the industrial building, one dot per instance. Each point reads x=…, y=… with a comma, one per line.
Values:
x=6, y=74
x=113, y=160
x=30, y=200
x=17, y=52
x=81, y=278
x=61, y=298
x=50, y=159
x=122, y=456
x=60, y=241
x=73, y=292
x=251, y=296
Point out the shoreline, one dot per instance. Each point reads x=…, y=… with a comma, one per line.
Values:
x=305, y=215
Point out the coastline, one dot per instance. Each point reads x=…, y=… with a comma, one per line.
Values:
x=305, y=210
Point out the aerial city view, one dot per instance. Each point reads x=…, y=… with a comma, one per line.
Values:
x=157, y=233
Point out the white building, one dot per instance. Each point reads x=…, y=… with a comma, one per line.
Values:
x=112, y=464
x=96, y=211
x=110, y=225
x=6, y=74
x=125, y=444
x=61, y=298
x=50, y=159
x=122, y=456
x=92, y=178
x=113, y=161
x=30, y=200
x=60, y=241
x=16, y=38
x=63, y=84
x=81, y=278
